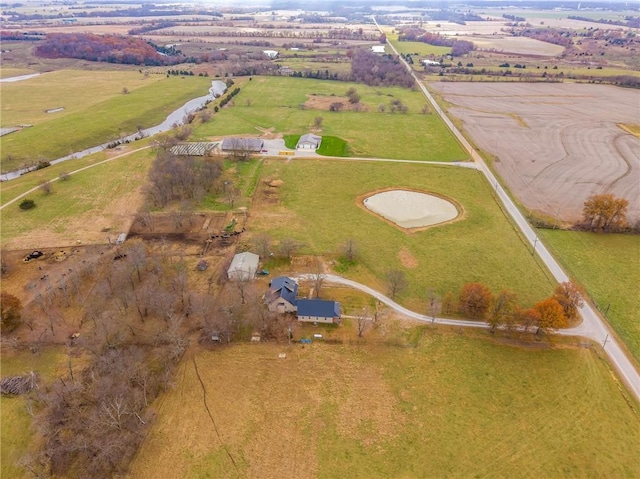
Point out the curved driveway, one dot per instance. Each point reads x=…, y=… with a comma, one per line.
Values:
x=593, y=326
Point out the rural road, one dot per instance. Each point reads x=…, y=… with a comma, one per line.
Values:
x=593, y=326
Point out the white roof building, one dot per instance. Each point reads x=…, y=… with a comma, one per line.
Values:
x=270, y=53
x=243, y=267
x=378, y=49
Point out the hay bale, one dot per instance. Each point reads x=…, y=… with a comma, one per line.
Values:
x=276, y=183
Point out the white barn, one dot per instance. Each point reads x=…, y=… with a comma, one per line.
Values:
x=309, y=142
x=270, y=53
x=243, y=267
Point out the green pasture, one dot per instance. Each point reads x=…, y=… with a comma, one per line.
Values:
x=319, y=202
x=444, y=405
x=422, y=49
x=26, y=102
x=101, y=122
x=304, y=64
x=82, y=195
x=277, y=103
x=608, y=266
x=16, y=431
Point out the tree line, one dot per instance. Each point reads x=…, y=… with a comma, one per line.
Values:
x=106, y=48
x=414, y=34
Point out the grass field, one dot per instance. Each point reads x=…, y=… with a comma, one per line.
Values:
x=87, y=203
x=27, y=101
x=324, y=213
x=100, y=122
x=608, y=265
x=276, y=103
x=455, y=405
x=17, y=432
x=423, y=49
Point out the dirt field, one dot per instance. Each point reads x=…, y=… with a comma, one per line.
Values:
x=515, y=45
x=554, y=144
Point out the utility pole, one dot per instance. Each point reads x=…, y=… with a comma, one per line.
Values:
x=604, y=343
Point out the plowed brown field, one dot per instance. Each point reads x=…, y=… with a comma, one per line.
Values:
x=554, y=144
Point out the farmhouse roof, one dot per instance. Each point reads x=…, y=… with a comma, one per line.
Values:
x=243, y=266
x=377, y=49
x=283, y=287
x=315, y=140
x=248, y=144
x=319, y=308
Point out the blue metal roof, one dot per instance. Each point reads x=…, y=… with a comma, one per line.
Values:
x=283, y=287
x=319, y=308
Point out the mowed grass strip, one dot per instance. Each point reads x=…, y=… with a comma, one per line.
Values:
x=608, y=266
x=319, y=208
x=454, y=406
x=89, y=201
x=108, y=120
x=278, y=103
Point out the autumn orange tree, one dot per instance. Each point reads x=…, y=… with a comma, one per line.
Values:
x=475, y=300
x=605, y=213
x=570, y=298
x=550, y=315
x=502, y=309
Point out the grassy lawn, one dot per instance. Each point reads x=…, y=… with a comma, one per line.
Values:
x=102, y=121
x=324, y=213
x=453, y=405
x=276, y=103
x=608, y=266
x=422, y=49
x=90, y=200
x=17, y=432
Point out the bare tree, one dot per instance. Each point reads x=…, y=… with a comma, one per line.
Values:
x=231, y=194
x=262, y=245
x=318, y=278
x=46, y=187
x=433, y=303
x=350, y=250
x=362, y=320
x=288, y=247
x=396, y=282
x=317, y=122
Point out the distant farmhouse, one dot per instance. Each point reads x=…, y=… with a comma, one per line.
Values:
x=243, y=266
x=318, y=311
x=271, y=53
x=431, y=63
x=309, y=142
x=281, y=297
x=378, y=49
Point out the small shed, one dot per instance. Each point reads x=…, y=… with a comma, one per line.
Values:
x=309, y=142
x=243, y=266
x=318, y=311
x=378, y=49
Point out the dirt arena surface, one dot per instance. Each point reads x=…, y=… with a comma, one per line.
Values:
x=554, y=144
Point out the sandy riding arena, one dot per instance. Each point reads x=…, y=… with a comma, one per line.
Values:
x=554, y=144
x=411, y=209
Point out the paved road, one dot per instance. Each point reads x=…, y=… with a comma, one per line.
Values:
x=593, y=326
